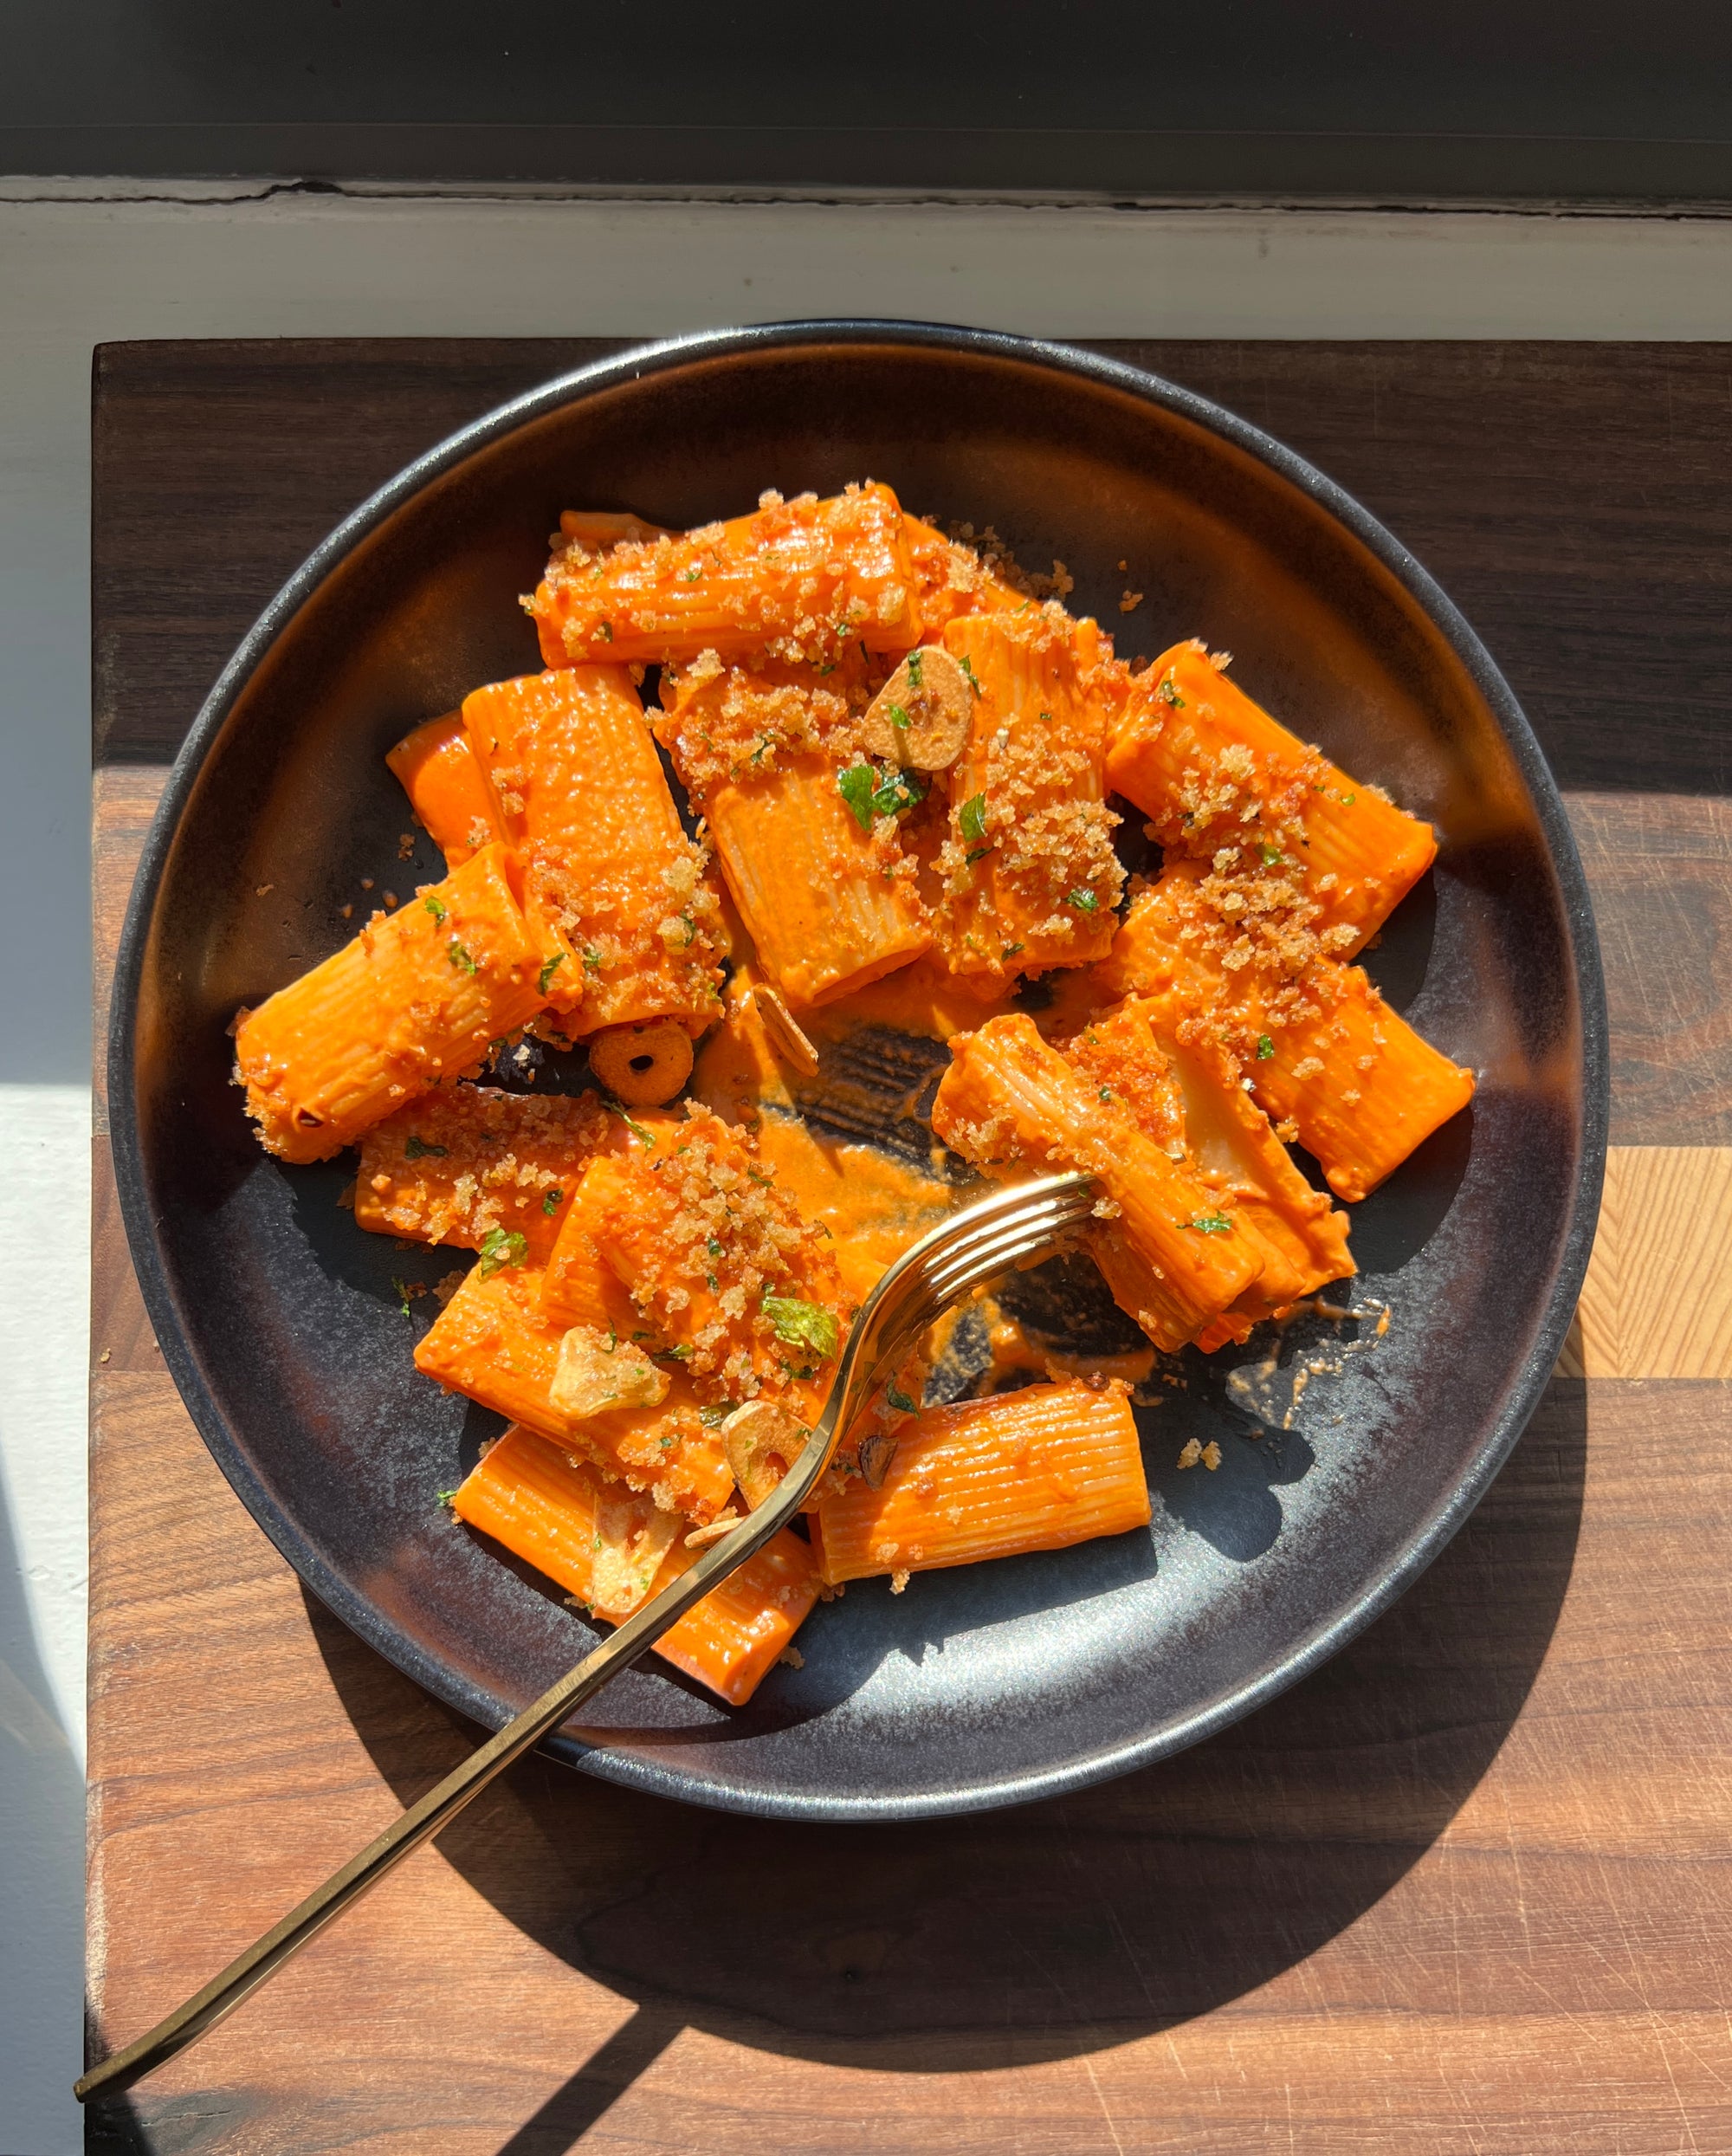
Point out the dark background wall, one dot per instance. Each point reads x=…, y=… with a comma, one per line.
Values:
x=1475, y=100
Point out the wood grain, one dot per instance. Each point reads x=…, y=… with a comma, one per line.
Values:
x=1574, y=499
x=1657, y=1299
x=1659, y=867
x=1465, y=1890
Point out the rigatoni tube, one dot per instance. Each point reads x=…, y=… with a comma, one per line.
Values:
x=578, y=790
x=416, y=1000
x=1169, y=1247
x=1037, y=1469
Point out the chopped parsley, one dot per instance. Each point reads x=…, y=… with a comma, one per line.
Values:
x=971, y=818
x=899, y=717
x=899, y=1399
x=1271, y=854
x=418, y=1150
x=402, y=1287
x=1211, y=1224
x=1105, y=1093
x=714, y=1247
x=459, y=958
x=871, y=794
x=553, y=1201
x=637, y=1129
x=967, y=666
x=1012, y=950
x=1265, y=1047
x=591, y=962
x=917, y=661
x=1168, y=694
x=1347, y=799
x=1085, y=901
x=604, y=630
x=974, y=854
x=445, y=1498
x=547, y=972
x=802, y=1324
x=500, y=1247
x=691, y=576
x=435, y=908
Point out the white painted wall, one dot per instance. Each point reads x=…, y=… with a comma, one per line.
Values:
x=86, y=262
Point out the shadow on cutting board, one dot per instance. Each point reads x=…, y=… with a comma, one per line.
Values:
x=1008, y=1938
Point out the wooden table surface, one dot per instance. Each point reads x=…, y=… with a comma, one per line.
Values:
x=1468, y=1889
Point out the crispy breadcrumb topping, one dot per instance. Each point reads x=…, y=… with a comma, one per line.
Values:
x=726, y=1270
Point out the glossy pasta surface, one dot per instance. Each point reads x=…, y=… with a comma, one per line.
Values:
x=839, y=800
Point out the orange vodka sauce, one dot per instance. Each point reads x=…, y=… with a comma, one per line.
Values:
x=874, y=1205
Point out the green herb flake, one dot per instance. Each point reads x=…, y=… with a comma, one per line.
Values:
x=418, y=1150
x=871, y=794
x=971, y=818
x=899, y=718
x=974, y=854
x=719, y=1413
x=1013, y=950
x=1085, y=901
x=553, y=1201
x=604, y=630
x=500, y=1247
x=402, y=1287
x=1168, y=694
x=897, y=791
x=917, y=661
x=1271, y=854
x=435, y=908
x=637, y=1129
x=1211, y=1224
x=1265, y=1047
x=802, y=1324
x=967, y=666
x=445, y=1498
x=714, y=1247
x=1347, y=799
x=459, y=958
x=899, y=1399
x=691, y=576
x=591, y=962
x=857, y=786
x=1105, y=1093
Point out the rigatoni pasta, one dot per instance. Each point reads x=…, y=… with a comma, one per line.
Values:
x=415, y=1000
x=1028, y=873
x=897, y=749
x=611, y=1549
x=579, y=791
x=446, y=787
x=1037, y=1469
x=806, y=829
x=1173, y=1252
x=1215, y=774
x=800, y=579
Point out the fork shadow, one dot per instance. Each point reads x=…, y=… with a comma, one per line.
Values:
x=1021, y=1936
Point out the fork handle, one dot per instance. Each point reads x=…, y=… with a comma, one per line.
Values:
x=442, y=1803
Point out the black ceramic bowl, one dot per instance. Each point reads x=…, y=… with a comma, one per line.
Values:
x=280, y=1321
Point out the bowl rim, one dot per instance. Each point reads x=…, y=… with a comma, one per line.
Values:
x=663, y=355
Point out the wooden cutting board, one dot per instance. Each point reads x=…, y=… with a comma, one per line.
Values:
x=1468, y=1889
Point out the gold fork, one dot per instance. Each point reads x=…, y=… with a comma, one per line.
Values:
x=973, y=1248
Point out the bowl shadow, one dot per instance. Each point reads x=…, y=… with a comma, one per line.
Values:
x=1024, y=1935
